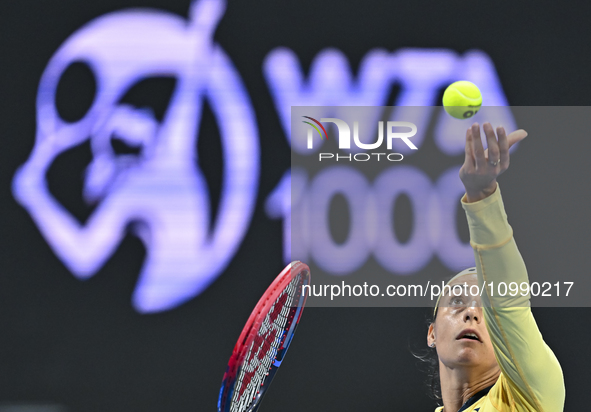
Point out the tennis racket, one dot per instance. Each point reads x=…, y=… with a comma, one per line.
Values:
x=264, y=341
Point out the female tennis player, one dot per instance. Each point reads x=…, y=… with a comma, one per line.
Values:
x=490, y=352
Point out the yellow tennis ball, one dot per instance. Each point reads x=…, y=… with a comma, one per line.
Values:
x=462, y=99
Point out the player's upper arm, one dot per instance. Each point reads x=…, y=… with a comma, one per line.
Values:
x=533, y=373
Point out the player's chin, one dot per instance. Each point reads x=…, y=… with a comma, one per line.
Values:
x=469, y=355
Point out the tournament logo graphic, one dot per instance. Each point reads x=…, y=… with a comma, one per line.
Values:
x=162, y=189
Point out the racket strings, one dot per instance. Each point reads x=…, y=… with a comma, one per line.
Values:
x=264, y=349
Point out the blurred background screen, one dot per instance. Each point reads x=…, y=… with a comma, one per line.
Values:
x=145, y=173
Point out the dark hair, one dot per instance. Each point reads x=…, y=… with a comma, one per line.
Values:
x=429, y=363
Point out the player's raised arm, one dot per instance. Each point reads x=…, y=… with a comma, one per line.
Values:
x=492, y=357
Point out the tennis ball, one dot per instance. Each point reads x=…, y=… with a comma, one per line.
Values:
x=462, y=99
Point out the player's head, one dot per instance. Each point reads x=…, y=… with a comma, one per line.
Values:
x=458, y=333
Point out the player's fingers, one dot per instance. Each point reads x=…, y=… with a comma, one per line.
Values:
x=516, y=136
x=503, y=147
x=493, y=145
x=477, y=149
x=469, y=158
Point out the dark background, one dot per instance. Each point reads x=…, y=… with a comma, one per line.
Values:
x=81, y=344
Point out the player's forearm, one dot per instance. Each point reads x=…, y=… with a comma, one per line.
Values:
x=495, y=250
x=487, y=220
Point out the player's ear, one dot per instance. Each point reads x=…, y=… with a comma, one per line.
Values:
x=431, y=335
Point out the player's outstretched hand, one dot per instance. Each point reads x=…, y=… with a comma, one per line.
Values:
x=481, y=167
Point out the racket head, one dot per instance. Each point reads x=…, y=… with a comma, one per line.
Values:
x=264, y=340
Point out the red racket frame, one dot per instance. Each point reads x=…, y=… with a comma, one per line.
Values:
x=250, y=330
